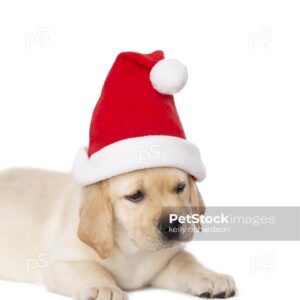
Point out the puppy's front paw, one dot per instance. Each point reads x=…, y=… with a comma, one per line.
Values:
x=212, y=285
x=102, y=293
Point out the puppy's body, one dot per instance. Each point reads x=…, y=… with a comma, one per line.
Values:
x=39, y=217
x=34, y=208
x=40, y=213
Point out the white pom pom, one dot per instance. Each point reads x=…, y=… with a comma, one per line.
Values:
x=168, y=76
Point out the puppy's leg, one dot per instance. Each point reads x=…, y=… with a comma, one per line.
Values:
x=82, y=281
x=185, y=274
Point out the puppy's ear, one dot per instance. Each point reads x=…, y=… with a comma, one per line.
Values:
x=96, y=219
x=197, y=202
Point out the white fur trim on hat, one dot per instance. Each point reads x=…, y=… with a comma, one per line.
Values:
x=168, y=76
x=135, y=154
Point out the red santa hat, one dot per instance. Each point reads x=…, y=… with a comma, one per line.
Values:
x=135, y=124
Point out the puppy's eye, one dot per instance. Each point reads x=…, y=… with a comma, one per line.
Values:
x=137, y=196
x=179, y=188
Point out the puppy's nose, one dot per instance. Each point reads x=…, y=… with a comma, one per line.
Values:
x=170, y=231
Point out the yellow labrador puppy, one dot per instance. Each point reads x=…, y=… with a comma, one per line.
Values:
x=98, y=241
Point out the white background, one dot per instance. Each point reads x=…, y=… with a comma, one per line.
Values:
x=241, y=106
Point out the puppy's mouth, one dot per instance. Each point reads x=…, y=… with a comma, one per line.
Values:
x=165, y=235
x=161, y=234
x=175, y=232
x=157, y=244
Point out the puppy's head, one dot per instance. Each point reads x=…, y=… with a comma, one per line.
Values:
x=134, y=208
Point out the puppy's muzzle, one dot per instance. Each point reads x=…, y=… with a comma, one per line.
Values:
x=170, y=231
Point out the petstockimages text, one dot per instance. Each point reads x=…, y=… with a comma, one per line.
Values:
x=221, y=219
